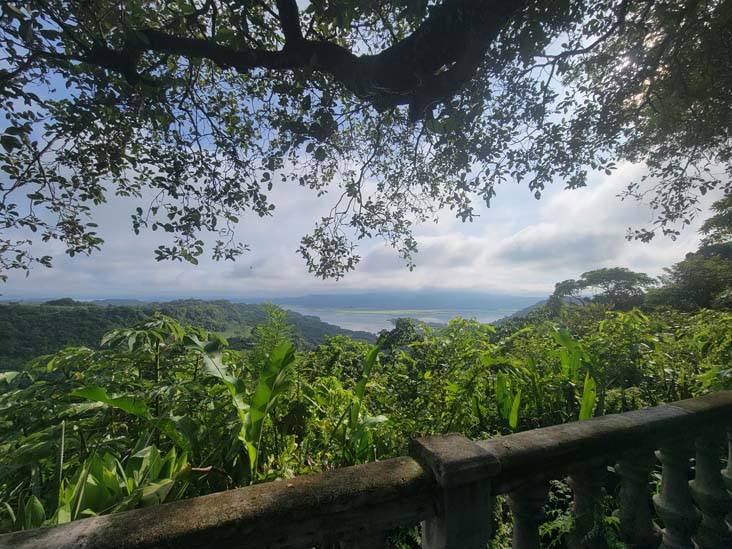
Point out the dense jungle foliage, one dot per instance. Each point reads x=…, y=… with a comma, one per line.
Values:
x=29, y=330
x=162, y=411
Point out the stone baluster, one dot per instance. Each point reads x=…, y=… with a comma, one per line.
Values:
x=526, y=505
x=587, y=483
x=673, y=503
x=710, y=495
x=634, y=505
x=727, y=473
x=463, y=471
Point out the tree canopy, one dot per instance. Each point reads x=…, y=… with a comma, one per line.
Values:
x=199, y=109
x=704, y=278
x=616, y=286
x=718, y=228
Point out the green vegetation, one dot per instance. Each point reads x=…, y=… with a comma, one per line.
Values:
x=29, y=330
x=618, y=286
x=163, y=410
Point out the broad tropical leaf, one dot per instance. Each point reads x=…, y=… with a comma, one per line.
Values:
x=589, y=396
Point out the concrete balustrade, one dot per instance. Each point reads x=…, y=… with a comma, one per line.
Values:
x=710, y=494
x=674, y=503
x=527, y=509
x=587, y=482
x=635, y=511
x=449, y=485
x=727, y=473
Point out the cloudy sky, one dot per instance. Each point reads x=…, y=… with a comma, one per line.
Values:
x=519, y=246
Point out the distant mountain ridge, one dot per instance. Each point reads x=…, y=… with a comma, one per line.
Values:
x=570, y=300
x=525, y=311
x=30, y=330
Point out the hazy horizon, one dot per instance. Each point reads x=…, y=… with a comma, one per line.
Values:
x=259, y=298
x=520, y=246
x=371, y=311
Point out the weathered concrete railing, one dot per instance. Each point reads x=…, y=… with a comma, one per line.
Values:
x=449, y=485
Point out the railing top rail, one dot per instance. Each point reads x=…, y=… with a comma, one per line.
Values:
x=552, y=450
x=349, y=502
x=310, y=509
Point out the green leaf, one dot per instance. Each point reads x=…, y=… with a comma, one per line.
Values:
x=156, y=492
x=171, y=427
x=5, y=506
x=434, y=126
x=272, y=383
x=502, y=396
x=10, y=142
x=369, y=422
x=589, y=395
x=7, y=377
x=63, y=514
x=26, y=30
x=34, y=515
x=131, y=405
x=513, y=417
x=563, y=337
x=570, y=354
x=211, y=354
x=368, y=366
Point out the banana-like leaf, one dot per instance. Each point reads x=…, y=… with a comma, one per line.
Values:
x=212, y=358
x=513, y=417
x=570, y=353
x=34, y=514
x=589, y=396
x=272, y=383
x=368, y=366
x=211, y=355
x=503, y=398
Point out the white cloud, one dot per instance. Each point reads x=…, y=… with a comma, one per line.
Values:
x=518, y=246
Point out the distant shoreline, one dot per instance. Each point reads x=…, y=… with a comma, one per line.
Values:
x=375, y=320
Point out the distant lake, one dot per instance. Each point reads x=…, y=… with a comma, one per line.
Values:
x=375, y=320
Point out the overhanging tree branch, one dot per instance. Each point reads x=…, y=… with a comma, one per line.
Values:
x=423, y=69
x=318, y=99
x=290, y=21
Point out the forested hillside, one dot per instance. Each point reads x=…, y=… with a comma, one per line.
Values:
x=30, y=330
